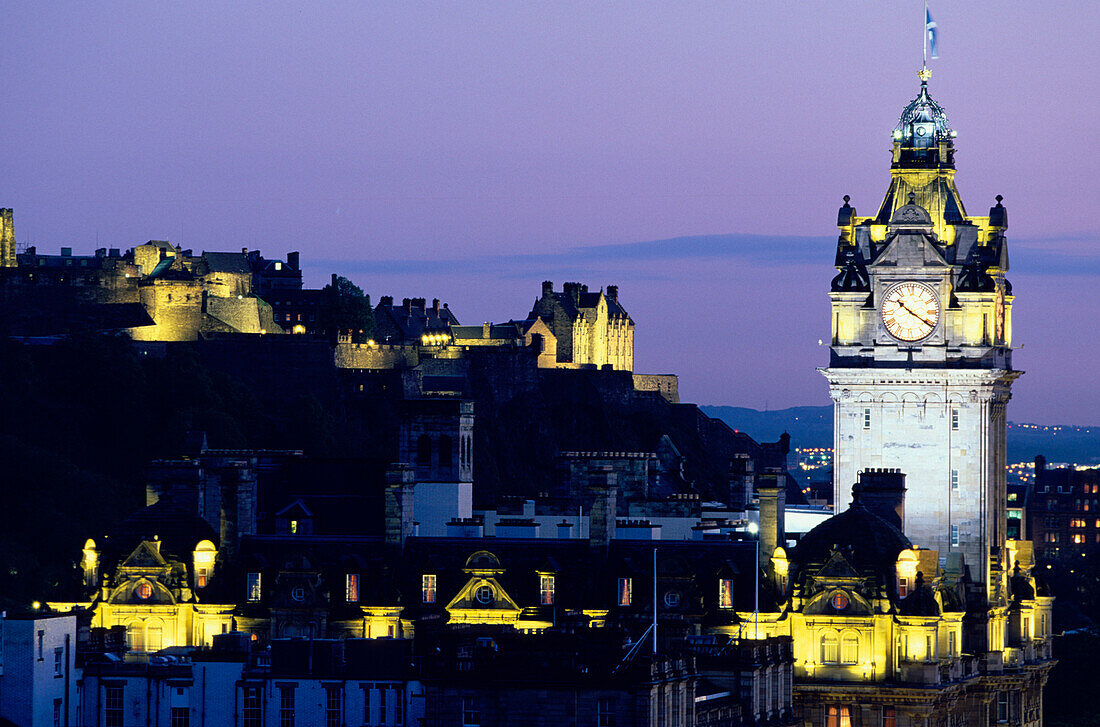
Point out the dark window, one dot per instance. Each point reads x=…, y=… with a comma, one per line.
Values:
x=252, y=713
x=471, y=715
x=181, y=717
x=445, y=453
x=424, y=451
x=605, y=713
x=286, y=706
x=334, y=705
x=112, y=706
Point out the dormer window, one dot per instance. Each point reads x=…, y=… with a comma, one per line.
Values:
x=626, y=591
x=253, y=587
x=725, y=593
x=546, y=590
x=351, y=588
x=427, y=588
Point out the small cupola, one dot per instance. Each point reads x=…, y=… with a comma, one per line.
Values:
x=922, y=137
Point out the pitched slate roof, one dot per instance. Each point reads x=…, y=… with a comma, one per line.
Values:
x=226, y=262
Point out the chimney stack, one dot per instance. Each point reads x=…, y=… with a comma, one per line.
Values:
x=292, y=259
x=400, y=480
x=882, y=491
x=547, y=288
x=601, y=521
x=772, y=489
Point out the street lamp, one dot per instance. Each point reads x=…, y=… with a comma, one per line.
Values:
x=754, y=528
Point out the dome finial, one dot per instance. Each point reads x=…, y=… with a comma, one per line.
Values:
x=924, y=74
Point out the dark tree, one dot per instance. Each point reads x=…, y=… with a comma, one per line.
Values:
x=347, y=308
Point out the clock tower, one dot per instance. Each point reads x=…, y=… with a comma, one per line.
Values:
x=920, y=365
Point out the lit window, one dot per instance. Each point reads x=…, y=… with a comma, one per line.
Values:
x=866, y=418
x=546, y=590
x=955, y=419
x=202, y=577
x=830, y=647
x=293, y=527
x=849, y=649
x=154, y=638
x=954, y=534
x=954, y=479
x=135, y=636
x=427, y=588
x=625, y=591
x=725, y=593
x=255, y=592
x=952, y=647
x=903, y=587
x=838, y=716
x=1078, y=538
x=351, y=587
x=889, y=718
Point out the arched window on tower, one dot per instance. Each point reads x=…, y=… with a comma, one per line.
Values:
x=424, y=451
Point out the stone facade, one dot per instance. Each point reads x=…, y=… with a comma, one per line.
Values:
x=951, y=620
x=7, y=239
x=590, y=329
x=921, y=361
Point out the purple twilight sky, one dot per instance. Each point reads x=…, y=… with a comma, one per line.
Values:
x=693, y=153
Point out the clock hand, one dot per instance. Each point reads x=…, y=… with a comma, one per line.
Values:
x=915, y=315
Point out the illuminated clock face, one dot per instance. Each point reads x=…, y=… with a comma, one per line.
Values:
x=910, y=311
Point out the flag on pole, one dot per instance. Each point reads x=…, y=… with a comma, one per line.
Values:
x=930, y=29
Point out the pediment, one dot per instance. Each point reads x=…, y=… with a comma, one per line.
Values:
x=910, y=249
x=471, y=597
x=145, y=557
x=837, y=569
